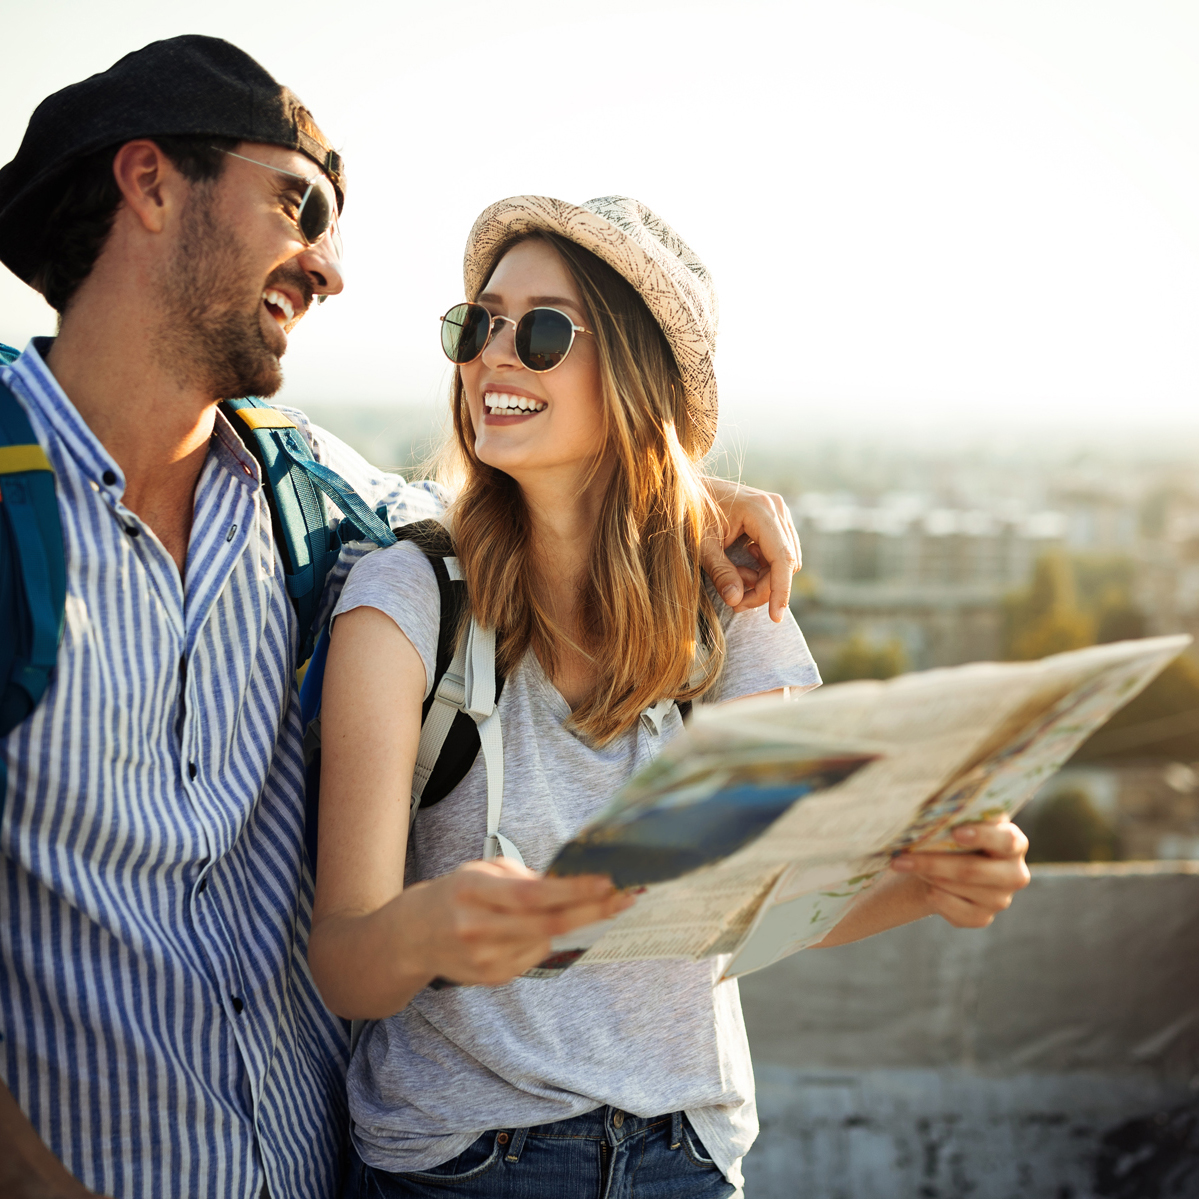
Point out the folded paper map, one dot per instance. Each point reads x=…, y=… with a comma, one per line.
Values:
x=757, y=826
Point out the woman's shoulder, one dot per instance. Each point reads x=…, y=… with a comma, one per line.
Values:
x=393, y=578
x=405, y=561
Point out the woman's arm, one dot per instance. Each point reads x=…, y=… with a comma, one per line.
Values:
x=375, y=944
x=967, y=889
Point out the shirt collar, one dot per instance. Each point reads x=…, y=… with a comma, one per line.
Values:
x=51, y=402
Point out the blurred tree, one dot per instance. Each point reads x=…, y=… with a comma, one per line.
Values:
x=1105, y=585
x=1161, y=722
x=862, y=659
x=1066, y=828
x=1120, y=622
x=1045, y=618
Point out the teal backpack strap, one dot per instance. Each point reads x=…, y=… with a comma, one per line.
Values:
x=296, y=485
x=33, y=577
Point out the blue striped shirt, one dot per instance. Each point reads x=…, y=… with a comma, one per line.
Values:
x=160, y=1027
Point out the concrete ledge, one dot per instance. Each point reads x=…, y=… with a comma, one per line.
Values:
x=936, y=1062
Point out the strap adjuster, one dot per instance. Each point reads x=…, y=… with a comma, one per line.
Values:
x=452, y=690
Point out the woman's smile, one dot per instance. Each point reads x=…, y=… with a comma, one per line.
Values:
x=505, y=406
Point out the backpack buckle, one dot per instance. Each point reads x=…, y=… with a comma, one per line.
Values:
x=452, y=690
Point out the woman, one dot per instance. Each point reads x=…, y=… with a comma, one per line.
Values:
x=583, y=401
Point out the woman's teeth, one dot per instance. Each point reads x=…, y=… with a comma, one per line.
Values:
x=284, y=312
x=500, y=404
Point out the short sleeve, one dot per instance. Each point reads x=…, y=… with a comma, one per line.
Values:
x=400, y=583
x=761, y=655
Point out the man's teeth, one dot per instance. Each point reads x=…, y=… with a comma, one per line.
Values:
x=499, y=402
x=280, y=301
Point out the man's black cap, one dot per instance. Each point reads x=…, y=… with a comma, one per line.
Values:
x=179, y=87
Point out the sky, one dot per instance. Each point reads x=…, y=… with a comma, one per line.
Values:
x=921, y=215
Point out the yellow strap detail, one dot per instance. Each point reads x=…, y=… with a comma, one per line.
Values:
x=265, y=418
x=17, y=458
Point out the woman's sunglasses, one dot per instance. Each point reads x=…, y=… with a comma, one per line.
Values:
x=543, y=336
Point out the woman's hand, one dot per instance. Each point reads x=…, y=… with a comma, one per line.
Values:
x=970, y=889
x=487, y=922
x=967, y=889
x=765, y=519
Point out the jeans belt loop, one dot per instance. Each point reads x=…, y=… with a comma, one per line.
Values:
x=676, y=1129
x=516, y=1145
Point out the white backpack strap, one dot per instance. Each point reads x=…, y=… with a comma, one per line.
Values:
x=447, y=703
x=468, y=686
x=656, y=713
x=480, y=706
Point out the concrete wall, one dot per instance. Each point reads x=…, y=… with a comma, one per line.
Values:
x=1009, y=1062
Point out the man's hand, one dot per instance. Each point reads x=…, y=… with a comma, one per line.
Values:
x=28, y=1170
x=970, y=889
x=487, y=922
x=765, y=520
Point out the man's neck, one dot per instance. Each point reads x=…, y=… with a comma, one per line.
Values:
x=155, y=426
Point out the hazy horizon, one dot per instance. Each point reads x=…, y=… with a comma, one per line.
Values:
x=919, y=213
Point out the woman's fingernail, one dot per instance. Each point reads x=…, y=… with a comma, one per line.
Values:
x=730, y=595
x=966, y=833
x=902, y=864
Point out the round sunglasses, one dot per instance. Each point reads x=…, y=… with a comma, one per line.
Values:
x=543, y=336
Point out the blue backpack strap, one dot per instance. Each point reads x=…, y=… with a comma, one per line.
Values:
x=33, y=577
x=295, y=487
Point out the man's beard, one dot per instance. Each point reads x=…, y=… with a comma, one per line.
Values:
x=211, y=335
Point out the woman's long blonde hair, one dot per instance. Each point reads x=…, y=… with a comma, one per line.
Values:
x=644, y=616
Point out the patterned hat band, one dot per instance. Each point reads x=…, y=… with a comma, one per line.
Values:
x=641, y=247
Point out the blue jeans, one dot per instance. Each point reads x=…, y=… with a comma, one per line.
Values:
x=604, y=1154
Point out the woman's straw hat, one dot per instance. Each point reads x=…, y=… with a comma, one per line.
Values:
x=645, y=250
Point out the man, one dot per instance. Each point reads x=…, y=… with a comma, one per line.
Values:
x=161, y=1034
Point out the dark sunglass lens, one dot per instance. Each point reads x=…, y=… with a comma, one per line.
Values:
x=464, y=331
x=315, y=215
x=543, y=337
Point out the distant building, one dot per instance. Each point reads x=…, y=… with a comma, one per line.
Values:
x=903, y=569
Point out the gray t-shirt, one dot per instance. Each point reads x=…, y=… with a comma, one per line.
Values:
x=645, y=1037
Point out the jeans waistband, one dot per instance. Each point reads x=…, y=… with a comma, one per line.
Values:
x=607, y=1124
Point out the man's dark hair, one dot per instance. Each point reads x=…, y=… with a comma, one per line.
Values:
x=81, y=220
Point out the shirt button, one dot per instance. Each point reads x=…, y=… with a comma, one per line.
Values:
x=108, y=478
x=237, y=1005
x=133, y=530
x=191, y=770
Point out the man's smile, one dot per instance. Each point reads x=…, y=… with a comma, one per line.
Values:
x=279, y=306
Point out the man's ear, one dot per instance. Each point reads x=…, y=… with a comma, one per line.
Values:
x=150, y=183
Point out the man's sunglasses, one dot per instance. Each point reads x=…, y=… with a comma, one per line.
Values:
x=543, y=336
x=317, y=214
